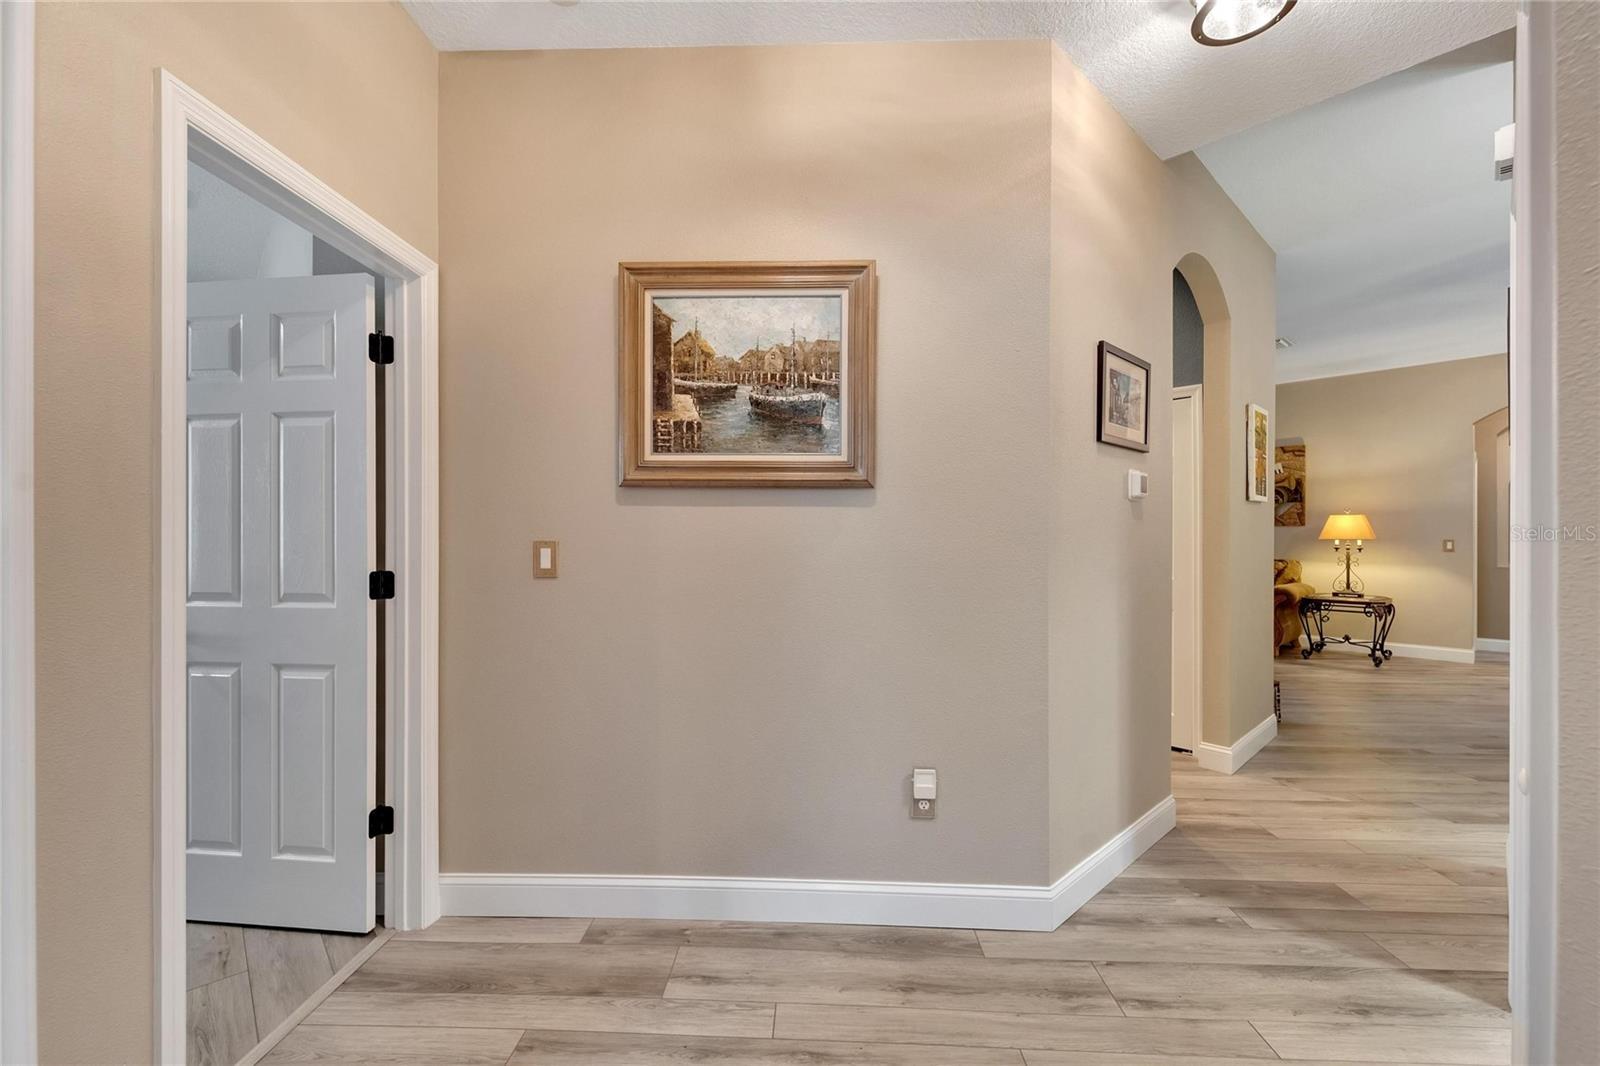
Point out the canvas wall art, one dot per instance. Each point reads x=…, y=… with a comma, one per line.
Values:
x=747, y=373
x=1123, y=399
x=1289, y=478
x=1258, y=454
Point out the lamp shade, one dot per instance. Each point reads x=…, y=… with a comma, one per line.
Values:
x=1347, y=526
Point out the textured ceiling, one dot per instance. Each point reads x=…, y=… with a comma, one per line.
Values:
x=1392, y=234
x=1179, y=95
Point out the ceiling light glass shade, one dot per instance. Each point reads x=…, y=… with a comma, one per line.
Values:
x=1219, y=22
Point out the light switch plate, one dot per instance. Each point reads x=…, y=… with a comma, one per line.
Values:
x=546, y=562
x=1449, y=545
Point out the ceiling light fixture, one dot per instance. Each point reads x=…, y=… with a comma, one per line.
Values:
x=1220, y=22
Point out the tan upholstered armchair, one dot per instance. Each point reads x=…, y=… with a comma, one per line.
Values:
x=1287, y=592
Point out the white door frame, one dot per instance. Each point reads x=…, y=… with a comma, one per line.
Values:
x=411, y=882
x=18, y=954
x=1535, y=662
x=1198, y=443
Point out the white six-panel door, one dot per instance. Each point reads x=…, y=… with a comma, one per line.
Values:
x=280, y=693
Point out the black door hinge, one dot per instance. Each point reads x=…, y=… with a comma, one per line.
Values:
x=380, y=585
x=380, y=348
x=380, y=822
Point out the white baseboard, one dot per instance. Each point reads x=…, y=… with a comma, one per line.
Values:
x=1085, y=880
x=1226, y=760
x=1413, y=651
x=1494, y=644
x=1432, y=651
x=1026, y=907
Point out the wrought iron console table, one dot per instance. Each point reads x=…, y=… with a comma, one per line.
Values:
x=1317, y=611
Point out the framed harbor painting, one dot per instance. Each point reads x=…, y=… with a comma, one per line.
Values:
x=1124, y=399
x=1258, y=454
x=752, y=374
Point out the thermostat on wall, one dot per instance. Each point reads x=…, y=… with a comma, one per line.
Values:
x=1138, y=484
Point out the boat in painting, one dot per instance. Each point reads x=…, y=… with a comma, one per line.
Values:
x=790, y=405
x=706, y=390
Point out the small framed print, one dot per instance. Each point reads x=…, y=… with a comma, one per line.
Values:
x=1258, y=456
x=1124, y=399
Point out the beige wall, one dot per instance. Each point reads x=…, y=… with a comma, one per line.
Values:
x=296, y=74
x=1120, y=222
x=1494, y=579
x=1577, y=221
x=1398, y=446
x=995, y=588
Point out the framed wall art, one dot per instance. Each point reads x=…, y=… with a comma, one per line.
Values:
x=747, y=374
x=1258, y=454
x=1123, y=399
x=1289, y=483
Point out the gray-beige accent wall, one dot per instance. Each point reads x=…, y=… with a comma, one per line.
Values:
x=1188, y=335
x=1398, y=445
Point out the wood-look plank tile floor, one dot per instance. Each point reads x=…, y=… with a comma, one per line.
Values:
x=244, y=981
x=1341, y=899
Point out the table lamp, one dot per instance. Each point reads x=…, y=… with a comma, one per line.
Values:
x=1345, y=528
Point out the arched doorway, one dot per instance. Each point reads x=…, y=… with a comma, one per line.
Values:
x=1201, y=585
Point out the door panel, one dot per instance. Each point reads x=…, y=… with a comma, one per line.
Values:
x=303, y=502
x=214, y=793
x=215, y=522
x=282, y=713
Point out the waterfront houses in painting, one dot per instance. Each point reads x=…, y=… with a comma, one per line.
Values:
x=751, y=375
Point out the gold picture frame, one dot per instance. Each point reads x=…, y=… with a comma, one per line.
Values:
x=727, y=374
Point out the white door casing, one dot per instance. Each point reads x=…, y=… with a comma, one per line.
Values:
x=18, y=937
x=1186, y=662
x=281, y=706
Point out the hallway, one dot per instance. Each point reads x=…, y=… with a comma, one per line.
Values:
x=1341, y=899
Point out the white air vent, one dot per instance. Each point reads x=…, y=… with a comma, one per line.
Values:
x=1283, y=342
x=1505, y=145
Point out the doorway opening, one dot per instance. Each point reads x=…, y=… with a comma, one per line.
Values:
x=284, y=650
x=297, y=708
x=1188, y=482
x=1491, y=446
